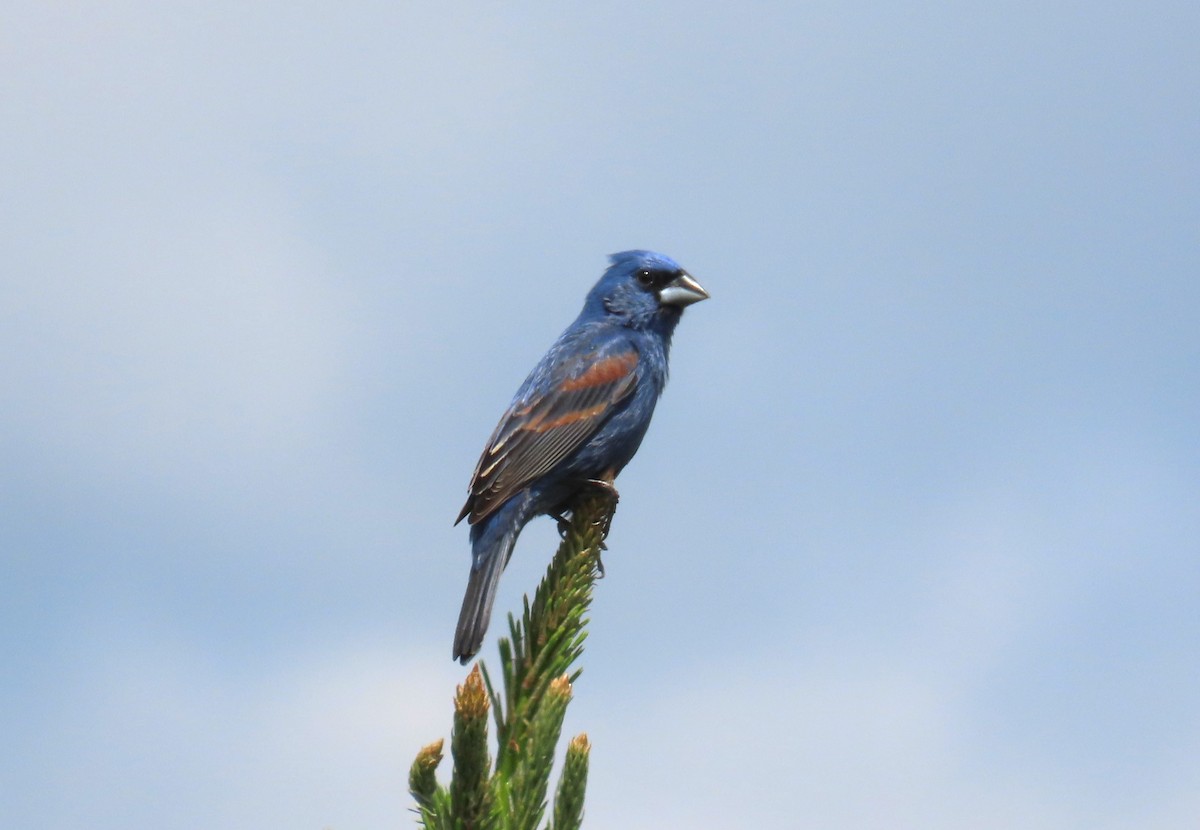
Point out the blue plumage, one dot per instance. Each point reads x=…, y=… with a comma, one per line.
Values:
x=580, y=415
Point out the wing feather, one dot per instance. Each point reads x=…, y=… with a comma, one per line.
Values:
x=541, y=429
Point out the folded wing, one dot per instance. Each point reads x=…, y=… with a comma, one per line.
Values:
x=546, y=425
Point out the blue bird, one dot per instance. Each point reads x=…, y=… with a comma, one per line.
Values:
x=578, y=418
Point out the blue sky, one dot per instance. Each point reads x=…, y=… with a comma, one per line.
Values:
x=912, y=543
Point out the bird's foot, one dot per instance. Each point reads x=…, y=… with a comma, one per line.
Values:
x=564, y=524
x=564, y=527
x=565, y=517
x=605, y=486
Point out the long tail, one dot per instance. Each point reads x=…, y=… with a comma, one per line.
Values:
x=491, y=555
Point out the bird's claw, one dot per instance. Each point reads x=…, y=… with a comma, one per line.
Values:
x=609, y=489
x=606, y=487
x=605, y=524
x=563, y=519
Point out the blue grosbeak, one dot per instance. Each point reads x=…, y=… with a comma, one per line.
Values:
x=578, y=418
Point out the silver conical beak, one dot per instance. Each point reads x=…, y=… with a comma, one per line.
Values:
x=681, y=291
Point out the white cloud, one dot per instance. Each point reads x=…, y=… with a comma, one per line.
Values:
x=398, y=85
x=175, y=334
x=209, y=207
x=161, y=735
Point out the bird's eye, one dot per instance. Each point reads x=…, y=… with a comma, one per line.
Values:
x=645, y=278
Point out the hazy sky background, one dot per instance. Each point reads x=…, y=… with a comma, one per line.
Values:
x=914, y=541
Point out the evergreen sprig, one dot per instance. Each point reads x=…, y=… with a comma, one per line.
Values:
x=536, y=686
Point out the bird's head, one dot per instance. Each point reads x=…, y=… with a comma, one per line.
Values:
x=645, y=289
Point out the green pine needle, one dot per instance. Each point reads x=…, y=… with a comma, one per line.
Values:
x=531, y=776
x=568, y=801
x=433, y=802
x=536, y=677
x=551, y=632
x=470, y=797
